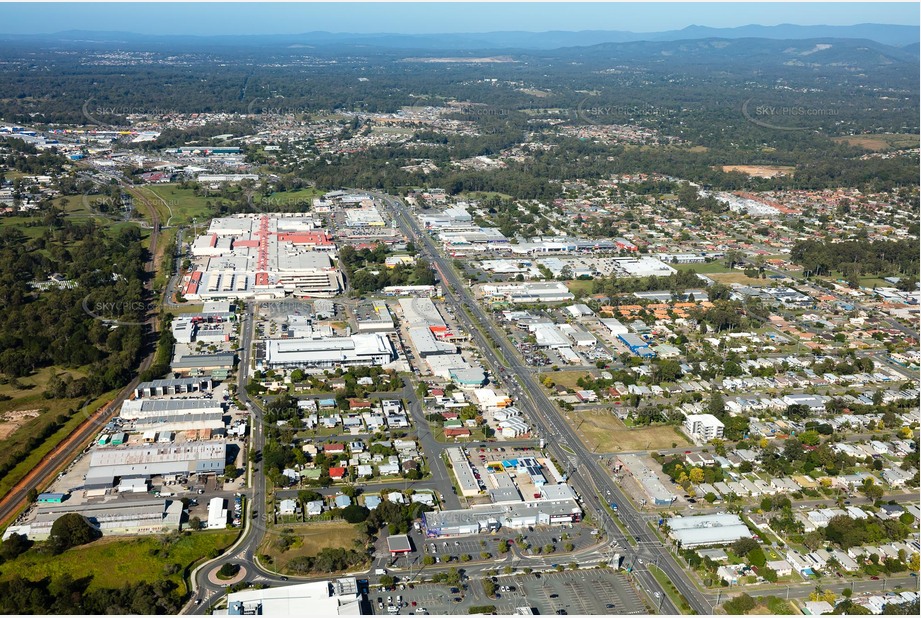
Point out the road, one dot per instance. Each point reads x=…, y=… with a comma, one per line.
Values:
x=244, y=550
x=590, y=479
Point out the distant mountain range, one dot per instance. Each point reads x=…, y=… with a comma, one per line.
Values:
x=887, y=34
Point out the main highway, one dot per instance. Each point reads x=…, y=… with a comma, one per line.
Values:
x=592, y=481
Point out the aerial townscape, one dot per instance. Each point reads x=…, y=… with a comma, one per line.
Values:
x=549, y=320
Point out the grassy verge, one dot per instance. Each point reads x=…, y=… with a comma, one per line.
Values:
x=676, y=597
x=113, y=562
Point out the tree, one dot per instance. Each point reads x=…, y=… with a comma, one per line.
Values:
x=71, y=530
x=355, y=513
x=195, y=523
x=14, y=546
x=489, y=587
x=428, y=560
x=696, y=475
x=717, y=406
x=230, y=471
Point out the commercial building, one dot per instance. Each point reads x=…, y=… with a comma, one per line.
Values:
x=648, y=480
x=701, y=530
x=373, y=317
x=264, y=256
x=360, y=349
x=217, y=514
x=463, y=472
x=399, y=544
x=529, y=292
x=339, y=597
x=492, y=517
x=703, y=427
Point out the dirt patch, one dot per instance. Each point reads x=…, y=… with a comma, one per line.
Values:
x=738, y=277
x=761, y=171
x=603, y=432
x=880, y=142
x=13, y=420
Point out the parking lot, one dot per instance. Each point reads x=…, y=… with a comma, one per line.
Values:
x=593, y=592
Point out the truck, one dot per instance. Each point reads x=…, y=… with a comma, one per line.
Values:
x=614, y=506
x=380, y=571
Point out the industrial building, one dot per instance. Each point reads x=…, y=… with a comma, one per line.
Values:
x=113, y=518
x=200, y=364
x=359, y=349
x=339, y=597
x=701, y=530
x=193, y=458
x=160, y=388
x=133, y=409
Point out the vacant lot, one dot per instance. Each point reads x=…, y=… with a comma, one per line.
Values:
x=308, y=540
x=603, y=432
x=113, y=562
x=567, y=379
x=580, y=287
x=881, y=141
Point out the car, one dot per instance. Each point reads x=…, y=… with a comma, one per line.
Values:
x=914, y=574
x=283, y=578
x=389, y=599
x=609, y=606
x=413, y=603
x=554, y=596
x=875, y=578
x=847, y=501
x=692, y=500
x=197, y=601
x=561, y=612
x=399, y=598
x=456, y=599
x=379, y=604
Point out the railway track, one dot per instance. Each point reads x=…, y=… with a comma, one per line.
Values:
x=66, y=451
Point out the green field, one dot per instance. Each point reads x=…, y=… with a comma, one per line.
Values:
x=181, y=204
x=113, y=562
x=580, y=287
x=309, y=539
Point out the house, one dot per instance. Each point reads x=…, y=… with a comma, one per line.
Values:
x=817, y=608
x=287, y=507
x=335, y=448
x=364, y=470
x=337, y=473
x=372, y=502
x=342, y=501
x=781, y=567
x=314, y=508
x=397, y=497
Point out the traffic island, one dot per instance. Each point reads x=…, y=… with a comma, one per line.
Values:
x=227, y=574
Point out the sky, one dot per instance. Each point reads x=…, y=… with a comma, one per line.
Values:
x=433, y=17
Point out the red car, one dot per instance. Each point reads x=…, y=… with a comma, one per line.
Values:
x=875, y=578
